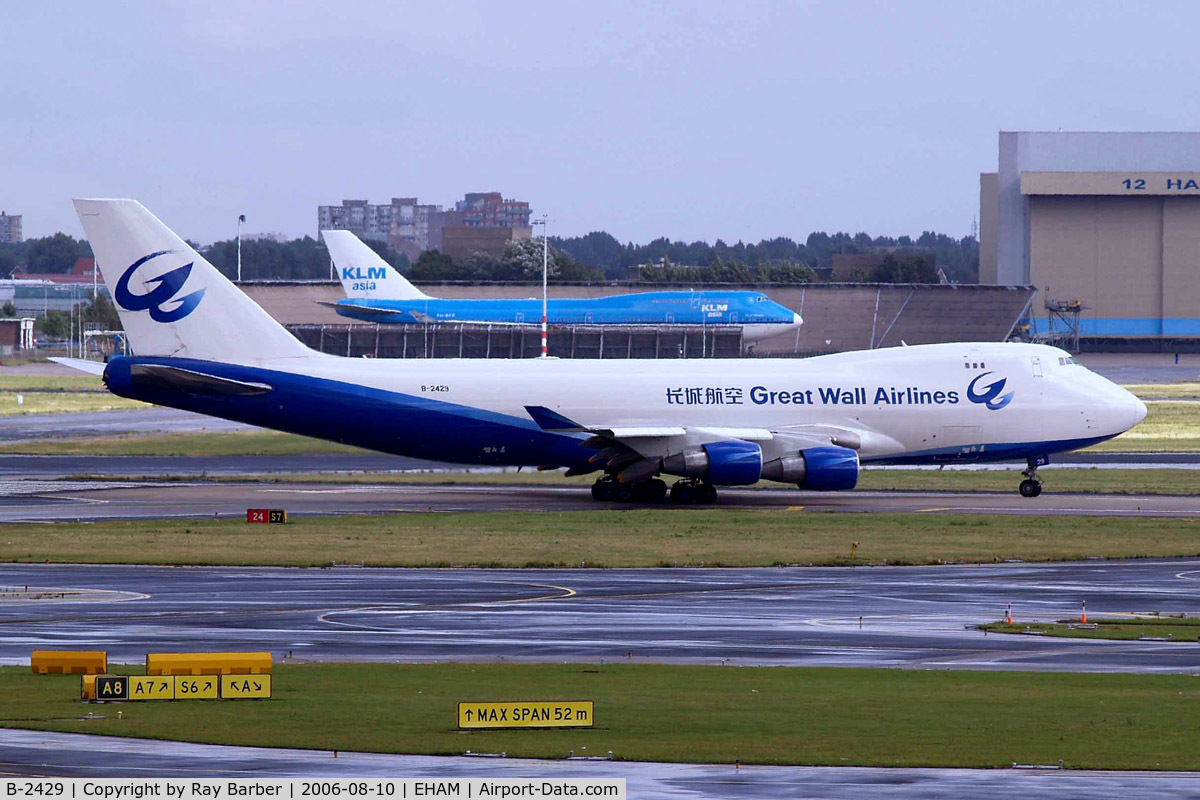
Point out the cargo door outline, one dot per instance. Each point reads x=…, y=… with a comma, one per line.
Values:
x=966, y=441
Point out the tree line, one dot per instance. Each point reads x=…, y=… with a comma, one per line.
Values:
x=958, y=258
x=56, y=253
x=596, y=256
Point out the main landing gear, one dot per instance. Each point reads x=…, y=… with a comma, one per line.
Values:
x=693, y=491
x=1032, y=485
x=609, y=488
x=686, y=491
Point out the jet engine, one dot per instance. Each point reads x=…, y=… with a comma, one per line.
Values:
x=820, y=469
x=732, y=463
x=738, y=463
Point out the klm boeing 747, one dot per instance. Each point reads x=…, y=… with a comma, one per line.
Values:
x=204, y=346
x=375, y=292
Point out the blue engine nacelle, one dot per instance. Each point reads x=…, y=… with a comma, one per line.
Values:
x=820, y=469
x=731, y=463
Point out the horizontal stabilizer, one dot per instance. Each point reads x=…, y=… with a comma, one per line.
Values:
x=81, y=364
x=185, y=380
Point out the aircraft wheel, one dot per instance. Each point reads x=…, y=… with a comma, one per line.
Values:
x=602, y=490
x=707, y=494
x=651, y=491
x=1030, y=488
x=622, y=492
x=681, y=493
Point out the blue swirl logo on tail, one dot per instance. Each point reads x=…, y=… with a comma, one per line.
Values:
x=990, y=395
x=166, y=286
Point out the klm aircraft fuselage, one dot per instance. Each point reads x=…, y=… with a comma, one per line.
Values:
x=642, y=308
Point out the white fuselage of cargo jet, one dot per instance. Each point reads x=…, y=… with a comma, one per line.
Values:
x=204, y=346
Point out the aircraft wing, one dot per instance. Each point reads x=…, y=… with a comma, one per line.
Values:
x=354, y=309
x=636, y=452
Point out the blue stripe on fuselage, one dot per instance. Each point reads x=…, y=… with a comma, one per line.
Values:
x=984, y=453
x=643, y=308
x=390, y=422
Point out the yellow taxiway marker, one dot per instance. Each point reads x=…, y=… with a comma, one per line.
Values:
x=537, y=714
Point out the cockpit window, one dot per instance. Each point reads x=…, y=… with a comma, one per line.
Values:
x=1065, y=360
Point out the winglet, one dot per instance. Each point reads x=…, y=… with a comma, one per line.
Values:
x=549, y=420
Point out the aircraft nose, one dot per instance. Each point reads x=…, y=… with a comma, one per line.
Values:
x=797, y=320
x=1139, y=410
x=1127, y=407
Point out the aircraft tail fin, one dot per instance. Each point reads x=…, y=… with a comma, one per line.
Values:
x=363, y=273
x=171, y=301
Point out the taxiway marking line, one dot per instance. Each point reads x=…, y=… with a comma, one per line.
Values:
x=567, y=592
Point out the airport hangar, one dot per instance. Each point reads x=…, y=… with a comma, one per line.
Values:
x=1105, y=225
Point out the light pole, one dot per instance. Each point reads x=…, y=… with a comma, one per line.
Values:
x=241, y=219
x=545, y=272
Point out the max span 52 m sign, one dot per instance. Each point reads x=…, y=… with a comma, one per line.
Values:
x=536, y=714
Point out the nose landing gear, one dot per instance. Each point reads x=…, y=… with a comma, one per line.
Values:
x=1032, y=485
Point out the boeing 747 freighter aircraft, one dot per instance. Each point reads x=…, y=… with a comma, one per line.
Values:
x=203, y=346
x=375, y=292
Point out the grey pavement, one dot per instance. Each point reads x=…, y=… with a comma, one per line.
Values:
x=1144, y=367
x=21, y=428
x=911, y=617
x=34, y=466
x=36, y=753
x=76, y=501
x=28, y=466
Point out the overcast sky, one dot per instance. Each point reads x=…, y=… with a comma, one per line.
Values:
x=694, y=120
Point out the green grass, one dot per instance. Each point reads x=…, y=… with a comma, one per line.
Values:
x=774, y=715
x=1125, y=628
x=1057, y=481
x=1154, y=391
x=50, y=383
x=41, y=394
x=634, y=538
x=16, y=402
x=1170, y=426
x=244, y=443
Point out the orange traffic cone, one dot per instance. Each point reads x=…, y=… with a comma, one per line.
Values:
x=1083, y=615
